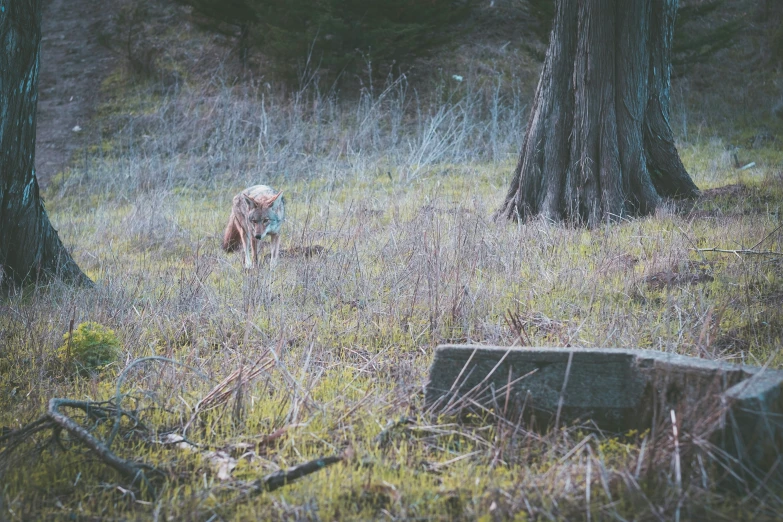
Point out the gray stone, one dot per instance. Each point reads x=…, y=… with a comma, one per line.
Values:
x=739, y=407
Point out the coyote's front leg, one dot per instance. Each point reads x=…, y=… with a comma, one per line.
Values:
x=256, y=247
x=275, y=248
x=248, y=243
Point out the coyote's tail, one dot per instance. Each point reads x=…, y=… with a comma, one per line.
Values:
x=231, y=238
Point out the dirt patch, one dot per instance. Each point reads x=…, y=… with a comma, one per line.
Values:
x=687, y=274
x=73, y=65
x=619, y=263
x=736, y=190
x=737, y=200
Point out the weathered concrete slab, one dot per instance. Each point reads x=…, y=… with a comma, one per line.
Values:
x=618, y=390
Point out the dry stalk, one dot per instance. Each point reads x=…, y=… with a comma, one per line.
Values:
x=515, y=323
x=223, y=391
x=741, y=252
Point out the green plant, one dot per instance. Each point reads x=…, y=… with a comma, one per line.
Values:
x=89, y=348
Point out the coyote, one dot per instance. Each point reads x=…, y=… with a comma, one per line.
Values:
x=256, y=212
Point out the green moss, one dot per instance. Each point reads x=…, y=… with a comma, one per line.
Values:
x=91, y=347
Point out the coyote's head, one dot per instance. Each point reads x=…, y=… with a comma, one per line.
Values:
x=264, y=215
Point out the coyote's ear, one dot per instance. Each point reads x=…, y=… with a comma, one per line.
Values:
x=273, y=198
x=251, y=203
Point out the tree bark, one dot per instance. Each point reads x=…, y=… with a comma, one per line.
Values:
x=598, y=144
x=30, y=248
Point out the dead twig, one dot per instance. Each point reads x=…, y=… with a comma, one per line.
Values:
x=514, y=321
x=741, y=252
x=281, y=478
x=747, y=251
x=223, y=391
x=118, y=396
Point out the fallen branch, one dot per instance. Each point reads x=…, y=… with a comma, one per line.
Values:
x=11, y=439
x=281, y=478
x=55, y=420
x=741, y=252
x=129, y=469
x=12, y=436
x=138, y=473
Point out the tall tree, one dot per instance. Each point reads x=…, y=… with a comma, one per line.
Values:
x=29, y=246
x=598, y=144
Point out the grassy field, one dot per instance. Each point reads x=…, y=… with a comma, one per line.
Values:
x=389, y=250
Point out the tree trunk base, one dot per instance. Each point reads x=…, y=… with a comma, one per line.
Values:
x=30, y=249
x=598, y=145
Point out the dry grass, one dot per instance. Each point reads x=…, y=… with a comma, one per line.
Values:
x=393, y=196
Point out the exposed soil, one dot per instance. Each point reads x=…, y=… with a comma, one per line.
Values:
x=678, y=276
x=73, y=65
x=736, y=200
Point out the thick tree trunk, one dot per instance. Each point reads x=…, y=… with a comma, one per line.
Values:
x=29, y=246
x=598, y=144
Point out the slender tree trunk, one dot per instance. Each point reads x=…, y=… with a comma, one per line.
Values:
x=598, y=144
x=29, y=246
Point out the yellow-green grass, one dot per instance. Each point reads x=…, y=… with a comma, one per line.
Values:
x=399, y=195
x=405, y=267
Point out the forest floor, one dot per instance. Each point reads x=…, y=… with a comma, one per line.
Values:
x=388, y=250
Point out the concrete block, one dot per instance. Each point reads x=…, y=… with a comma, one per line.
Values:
x=740, y=407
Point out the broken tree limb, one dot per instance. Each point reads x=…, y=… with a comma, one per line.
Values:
x=281, y=478
x=10, y=436
x=130, y=470
x=741, y=252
